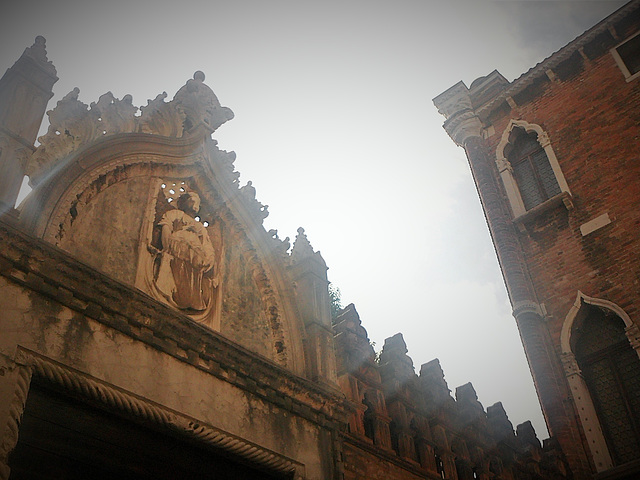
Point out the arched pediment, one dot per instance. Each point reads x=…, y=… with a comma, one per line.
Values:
x=106, y=202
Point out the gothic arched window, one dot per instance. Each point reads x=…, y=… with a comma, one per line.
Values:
x=611, y=371
x=531, y=168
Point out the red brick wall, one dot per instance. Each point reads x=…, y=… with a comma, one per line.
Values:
x=593, y=123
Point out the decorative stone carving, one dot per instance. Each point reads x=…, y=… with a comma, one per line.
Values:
x=69, y=127
x=161, y=118
x=503, y=164
x=73, y=124
x=200, y=105
x=281, y=246
x=185, y=264
x=114, y=115
x=301, y=247
x=633, y=334
x=258, y=209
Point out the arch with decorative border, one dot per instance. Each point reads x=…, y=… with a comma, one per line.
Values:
x=578, y=388
x=506, y=171
x=112, y=398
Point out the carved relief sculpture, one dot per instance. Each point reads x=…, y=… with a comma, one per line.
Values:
x=184, y=271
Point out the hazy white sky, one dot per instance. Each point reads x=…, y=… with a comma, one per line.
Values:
x=335, y=127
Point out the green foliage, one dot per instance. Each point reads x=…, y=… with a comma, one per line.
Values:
x=335, y=299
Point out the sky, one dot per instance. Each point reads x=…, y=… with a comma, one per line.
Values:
x=335, y=126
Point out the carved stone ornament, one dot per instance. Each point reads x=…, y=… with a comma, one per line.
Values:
x=73, y=124
x=183, y=269
x=503, y=164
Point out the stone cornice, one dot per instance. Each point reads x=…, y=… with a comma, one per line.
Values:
x=43, y=268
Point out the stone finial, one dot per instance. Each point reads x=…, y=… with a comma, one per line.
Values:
x=200, y=105
x=38, y=52
x=301, y=246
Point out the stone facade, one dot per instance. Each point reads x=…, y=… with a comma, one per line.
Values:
x=150, y=326
x=554, y=155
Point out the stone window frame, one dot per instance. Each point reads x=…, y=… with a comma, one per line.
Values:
x=621, y=63
x=508, y=179
x=578, y=387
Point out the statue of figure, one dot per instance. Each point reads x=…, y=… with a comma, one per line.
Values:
x=186, y=257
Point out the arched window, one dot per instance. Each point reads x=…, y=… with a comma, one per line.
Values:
x=531, y=168
x=611, y=371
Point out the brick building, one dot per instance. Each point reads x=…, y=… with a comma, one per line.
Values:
x=151, y=328
x=555, y=155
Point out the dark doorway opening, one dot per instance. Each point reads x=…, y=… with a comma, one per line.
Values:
x=62, y=438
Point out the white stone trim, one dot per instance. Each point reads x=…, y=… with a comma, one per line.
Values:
x=623, y=66
x=506, y=172
x=578, y=387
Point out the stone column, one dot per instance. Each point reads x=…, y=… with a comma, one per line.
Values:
x=466, y=129
x=309, y=272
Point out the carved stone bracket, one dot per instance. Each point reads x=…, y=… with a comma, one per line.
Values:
x=126, y=403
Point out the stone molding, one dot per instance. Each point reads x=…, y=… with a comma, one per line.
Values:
x=527, y=307
x=55, y=274
x=115, y=399
x=462, y=126
x=577, y=386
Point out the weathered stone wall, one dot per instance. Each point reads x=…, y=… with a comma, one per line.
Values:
x=58, y=325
